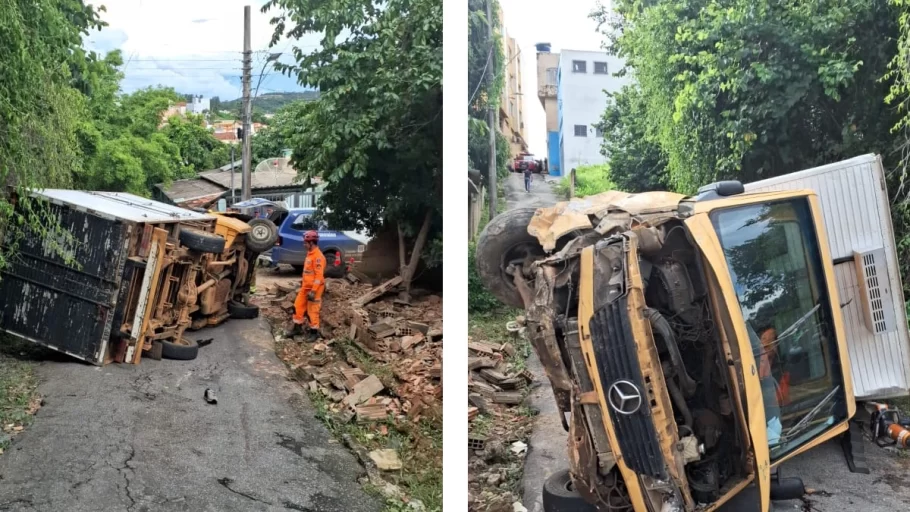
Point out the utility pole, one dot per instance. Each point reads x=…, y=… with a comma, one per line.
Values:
x=491, y=172
x=246, y=192
x=233, y=190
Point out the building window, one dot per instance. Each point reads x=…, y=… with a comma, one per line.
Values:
x=600, y=68
x=579, y=66
x=581, y=130
x=598, y=131
x=551, y=76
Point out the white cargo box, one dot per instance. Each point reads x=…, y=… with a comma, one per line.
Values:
x=857, y=218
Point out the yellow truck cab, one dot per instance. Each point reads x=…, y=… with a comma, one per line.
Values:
x=693, y=343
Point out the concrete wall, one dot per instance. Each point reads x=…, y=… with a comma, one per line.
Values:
x=581, y=101
x=553, y=153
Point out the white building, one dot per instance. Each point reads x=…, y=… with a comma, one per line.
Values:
x=198, y=105
x=583, y=79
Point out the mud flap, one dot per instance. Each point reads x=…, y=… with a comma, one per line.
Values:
x=854, y=449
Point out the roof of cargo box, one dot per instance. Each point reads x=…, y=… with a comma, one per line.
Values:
x=121, y=206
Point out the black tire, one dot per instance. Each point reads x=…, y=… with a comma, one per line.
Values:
x=559, y=495
x=330, y=269
x=262, y=236
x=242, y=311
x=201, y=241
x=185, y=350
x=504, y=240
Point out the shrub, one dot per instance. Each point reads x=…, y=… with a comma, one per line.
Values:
x=479, y=299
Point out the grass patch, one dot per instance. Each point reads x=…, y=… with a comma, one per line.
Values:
x=491, y=326
x=18, y=383
x=589, y=180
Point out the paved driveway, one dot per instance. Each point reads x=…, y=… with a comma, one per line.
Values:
x=141, y=438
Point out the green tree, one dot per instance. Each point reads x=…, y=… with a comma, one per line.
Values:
x=741, y=89
x=485, y=82
x=199, y=149
x=375, y=134
x=124, y=147
x=636, y=161
x=40, y=108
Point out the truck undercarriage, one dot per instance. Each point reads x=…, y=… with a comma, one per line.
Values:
x=699, y=454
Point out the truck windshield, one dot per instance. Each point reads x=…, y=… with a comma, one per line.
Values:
x=773, y=258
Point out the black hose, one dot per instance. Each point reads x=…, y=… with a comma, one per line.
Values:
x=660, y=325
x=680, y=401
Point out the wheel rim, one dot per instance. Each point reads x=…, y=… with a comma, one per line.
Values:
x=260, y=232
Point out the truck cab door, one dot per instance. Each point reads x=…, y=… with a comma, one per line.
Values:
x=749, y=399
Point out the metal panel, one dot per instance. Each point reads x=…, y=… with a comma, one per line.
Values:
x=122, y=206
x=69, y=309
x=857, y=217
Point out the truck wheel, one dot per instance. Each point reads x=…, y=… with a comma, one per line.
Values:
x=180, y=350
x=242, y=311
x=503, y=241
x=262, y=236
x=559, y=495
x=201, y=241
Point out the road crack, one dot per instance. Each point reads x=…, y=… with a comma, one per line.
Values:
x=226, y=482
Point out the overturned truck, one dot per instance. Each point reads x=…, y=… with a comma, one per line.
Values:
x=126, y=275
x=696, y=343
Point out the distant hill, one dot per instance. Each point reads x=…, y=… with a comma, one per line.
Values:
x=267, y=103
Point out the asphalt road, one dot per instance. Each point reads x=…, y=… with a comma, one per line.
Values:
x=547, y=452
x=141, y=438
x=822, y=469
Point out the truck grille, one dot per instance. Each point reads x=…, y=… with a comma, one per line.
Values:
x=615, y=353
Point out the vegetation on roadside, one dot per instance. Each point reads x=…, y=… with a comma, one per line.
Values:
x=486, y=78
x=19, y=399
x=589, y=180
x=374, y=136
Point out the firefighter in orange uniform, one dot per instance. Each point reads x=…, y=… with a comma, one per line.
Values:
x=309, y=299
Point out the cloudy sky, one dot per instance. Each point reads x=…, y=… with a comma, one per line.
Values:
x=565, y=25
x=193, y=46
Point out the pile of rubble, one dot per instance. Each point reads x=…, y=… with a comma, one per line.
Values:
x=403, y=340
x=497, y=424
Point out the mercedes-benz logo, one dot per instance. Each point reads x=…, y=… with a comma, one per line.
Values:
x=624, y=397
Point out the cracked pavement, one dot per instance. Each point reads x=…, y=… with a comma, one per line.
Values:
x=143, y=439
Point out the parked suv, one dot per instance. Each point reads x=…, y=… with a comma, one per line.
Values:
x=341, y=248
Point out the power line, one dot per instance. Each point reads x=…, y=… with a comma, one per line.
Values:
x=483, y=74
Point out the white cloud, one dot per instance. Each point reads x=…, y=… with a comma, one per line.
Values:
x=193, y=46
x=565, y=25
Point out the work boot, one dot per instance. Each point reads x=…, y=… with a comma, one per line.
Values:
x=312, y=335
x=296, y=330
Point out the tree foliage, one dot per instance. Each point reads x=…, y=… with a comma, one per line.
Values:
x=485, y=82
x=375, y=134
x=636, y=161
x=733, y=88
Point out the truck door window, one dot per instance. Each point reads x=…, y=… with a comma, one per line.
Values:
x=774, y=263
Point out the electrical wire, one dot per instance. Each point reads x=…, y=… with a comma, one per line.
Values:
x=482, y=75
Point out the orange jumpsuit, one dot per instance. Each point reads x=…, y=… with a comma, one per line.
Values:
x=313, y=280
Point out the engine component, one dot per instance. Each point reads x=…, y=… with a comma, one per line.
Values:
x=691, y=449
x=708, y=426
x=661, y=327
x=679, y=294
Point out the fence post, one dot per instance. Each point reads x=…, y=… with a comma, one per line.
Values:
x=572, y=183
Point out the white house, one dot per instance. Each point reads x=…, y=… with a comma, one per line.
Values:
x=198, y=104
x=583, y=78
